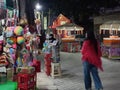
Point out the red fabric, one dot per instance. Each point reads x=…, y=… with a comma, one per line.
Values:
x=89, y=54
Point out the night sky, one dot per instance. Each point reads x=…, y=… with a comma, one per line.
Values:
x=80, y=11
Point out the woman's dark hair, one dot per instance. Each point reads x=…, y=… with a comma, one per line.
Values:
x=93, y=40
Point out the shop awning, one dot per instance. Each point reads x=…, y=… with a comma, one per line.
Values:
x=110, y=25
x=70, y=26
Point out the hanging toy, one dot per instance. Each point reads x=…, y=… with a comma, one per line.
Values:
x=14, y=46
x=9, y=31
x=10, y=41
x=18, y=30
x=20, y=40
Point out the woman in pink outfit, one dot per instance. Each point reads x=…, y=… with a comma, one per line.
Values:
x=91, y=57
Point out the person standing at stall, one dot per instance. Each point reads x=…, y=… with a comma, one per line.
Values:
x=55, y=45
x=91, y=57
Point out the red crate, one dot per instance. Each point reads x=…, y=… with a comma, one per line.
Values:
x=23, y=79
x=33, y=78
x=32, y=86
x=26, y=79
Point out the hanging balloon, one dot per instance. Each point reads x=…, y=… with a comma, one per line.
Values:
x=18, y=30
x=20, y=40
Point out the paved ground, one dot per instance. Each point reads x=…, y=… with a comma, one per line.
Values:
x=72, y=76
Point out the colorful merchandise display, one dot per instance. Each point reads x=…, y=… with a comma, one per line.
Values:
x=20, y=61
x=17, y=69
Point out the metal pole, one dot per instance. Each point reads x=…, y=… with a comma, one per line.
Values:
x=16, y=12
x=42, y=20
x=49, y=12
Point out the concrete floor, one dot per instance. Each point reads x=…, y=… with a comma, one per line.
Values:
x=72, y=75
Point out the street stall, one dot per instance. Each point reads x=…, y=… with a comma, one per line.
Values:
x=111, y=42
x=22, y=56
x=67, y=33
x=19, y=58
x=6, y=62
x=60, y=20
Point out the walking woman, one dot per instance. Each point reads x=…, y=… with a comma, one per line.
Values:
x=91, y=57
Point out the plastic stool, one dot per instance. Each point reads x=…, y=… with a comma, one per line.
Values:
x=56, y=69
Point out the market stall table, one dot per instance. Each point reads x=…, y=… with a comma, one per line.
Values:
x=111, y=48
x=67, y=32
x=70, y=45
x=111, y=44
